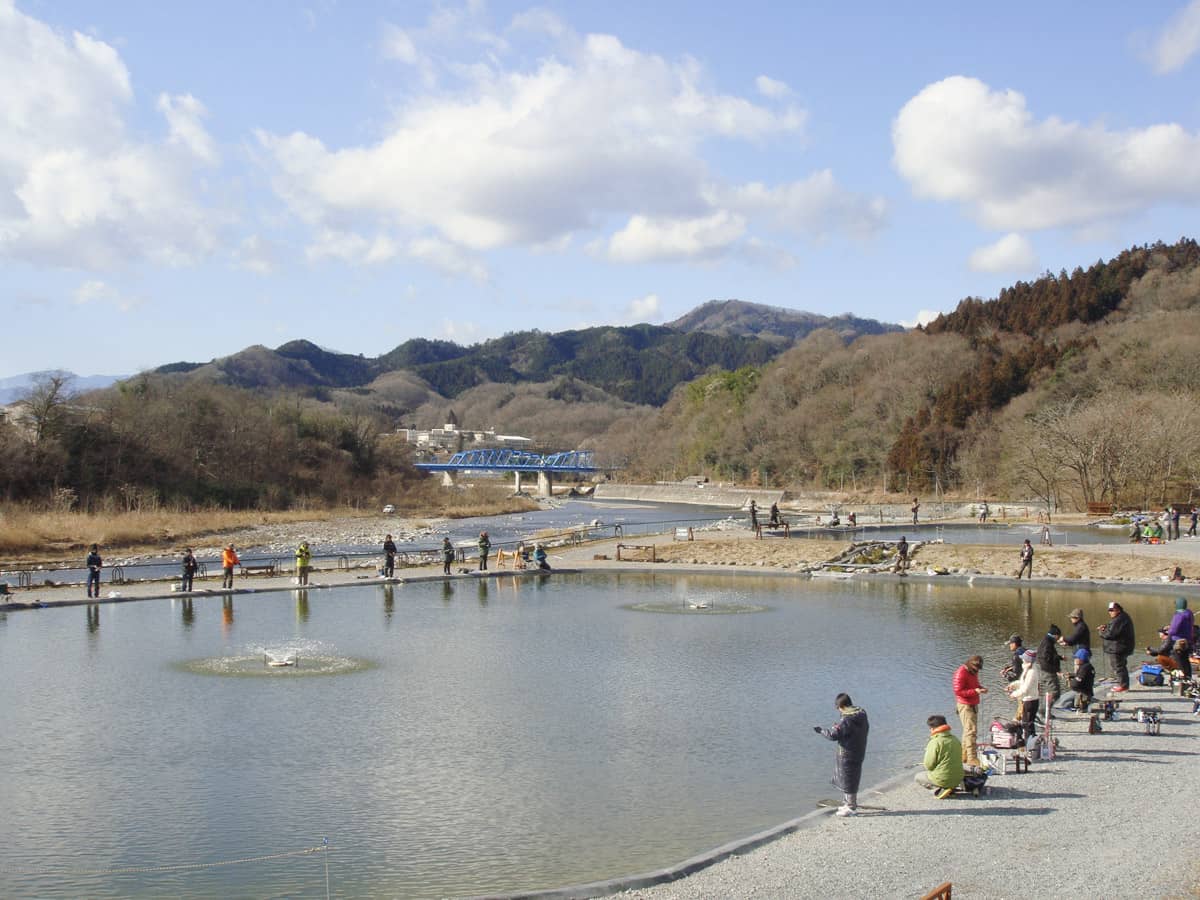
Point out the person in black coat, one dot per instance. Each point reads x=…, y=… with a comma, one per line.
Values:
x=1012, y=672
x=850, y=732
x=1050, y=663
x=1079, y=634
x=1119, y=639
x=1082, y=682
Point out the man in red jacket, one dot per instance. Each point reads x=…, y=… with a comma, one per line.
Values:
x=967, y=692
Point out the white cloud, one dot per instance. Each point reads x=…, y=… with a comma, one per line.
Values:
x=355, y=249
x=644, y=309
x=1012, y=253
x=769, y=87
x=183, y=115
x=594, y=132
x=645, y=239
x=75, y=188
x=447, y=258
x=815, y=207
x=961, y=141
x=96, y=291
x=923, y=317
x=257, y=254
x=397, y=44
x=1179, y=40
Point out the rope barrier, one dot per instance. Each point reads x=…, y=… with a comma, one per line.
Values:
x=183, y=867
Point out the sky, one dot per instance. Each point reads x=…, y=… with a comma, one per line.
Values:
x=181, y=181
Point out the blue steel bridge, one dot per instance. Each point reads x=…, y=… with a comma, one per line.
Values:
x=545, y=466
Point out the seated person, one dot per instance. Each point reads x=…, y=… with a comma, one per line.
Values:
x=1181, y=658
x=521, y=555
x=1082, y=682
x=1025, y=691
x=1162, y=654
x=1135, y=533
x=1177, y=575
x=852, y=519
x=943, y=759
x=539, y=556
x=835, y=521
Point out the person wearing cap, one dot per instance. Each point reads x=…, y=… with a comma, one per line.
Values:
x=1119, y=640
x=1081, y=635
x=1050, y=664
x=1026, y=559
x=1171, y=654
x=943, y=759
x=303, y=562
x=1082, y=682
x=1183, y=623
x=1012, y=671
x=229, y=559
x=1026, y=692
x=850, y=733
x=967, y=694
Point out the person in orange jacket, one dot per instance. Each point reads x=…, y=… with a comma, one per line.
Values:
x=229, y=559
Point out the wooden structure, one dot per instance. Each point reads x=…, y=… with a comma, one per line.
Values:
x=636, y=553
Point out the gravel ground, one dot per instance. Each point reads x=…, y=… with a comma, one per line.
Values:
x=1096, y=821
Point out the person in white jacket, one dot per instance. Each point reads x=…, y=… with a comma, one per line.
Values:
x=1025, y=691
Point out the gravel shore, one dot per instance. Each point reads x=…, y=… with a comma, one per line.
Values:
x=1106, y=818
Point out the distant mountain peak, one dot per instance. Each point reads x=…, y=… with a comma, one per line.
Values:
x=772, y=323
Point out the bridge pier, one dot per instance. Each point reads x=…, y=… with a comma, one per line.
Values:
x=545, y=485
x=447, y=479
x=516, y=482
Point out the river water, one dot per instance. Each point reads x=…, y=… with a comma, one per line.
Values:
x=466, y=736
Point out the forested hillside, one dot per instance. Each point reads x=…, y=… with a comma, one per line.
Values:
x=1073, y=388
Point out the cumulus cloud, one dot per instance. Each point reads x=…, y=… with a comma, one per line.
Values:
x=962, y=141
x=923, y=317
x=397, y=44
x=520, y=155
x=1012, y=253
x=257, y=254
x=769, y=87
x=96, y=291
x=355, y=249
x=644, y=309
x=1178, y=41
x=75, y=188
x=646, y=239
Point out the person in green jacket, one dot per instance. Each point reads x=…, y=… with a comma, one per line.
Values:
x=303, y=562
x=943, y=759
x=485, y=544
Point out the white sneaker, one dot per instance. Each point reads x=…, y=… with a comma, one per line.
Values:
x=845, y=811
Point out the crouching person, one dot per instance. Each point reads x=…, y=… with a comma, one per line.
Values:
x=943, y=759
x=1083, y=682
x=850, y=732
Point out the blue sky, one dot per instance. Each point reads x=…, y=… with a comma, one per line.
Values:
x=180, y=181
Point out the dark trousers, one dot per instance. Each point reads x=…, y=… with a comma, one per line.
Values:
x=446, y=561
x=483, y=561
x=1119, y=664
x=1029, y=710
x=227, y=579
x=93, y=583
x=1048, y=683
x=187, y=581
x=1026, y=564
x=389, y=565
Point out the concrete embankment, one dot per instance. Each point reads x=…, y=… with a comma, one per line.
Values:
x=701, y=494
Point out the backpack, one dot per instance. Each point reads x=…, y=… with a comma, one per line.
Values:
x=975, y=782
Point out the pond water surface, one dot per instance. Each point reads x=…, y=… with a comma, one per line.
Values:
x=468, y=736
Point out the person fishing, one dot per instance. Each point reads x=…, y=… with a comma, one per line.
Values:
x=303, y=562
x=447, y=555
x=850, y=732
x=389, y=557
x=539, y=556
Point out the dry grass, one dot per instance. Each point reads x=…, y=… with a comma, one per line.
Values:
x=26, y=532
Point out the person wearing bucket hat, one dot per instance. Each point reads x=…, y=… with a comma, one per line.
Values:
x=1079, y=634
x=1183, y=623
x=1082, y=682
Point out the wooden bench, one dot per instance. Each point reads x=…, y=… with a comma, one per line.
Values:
x=1100, y=509
x=636, y=553
x=268, y=569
